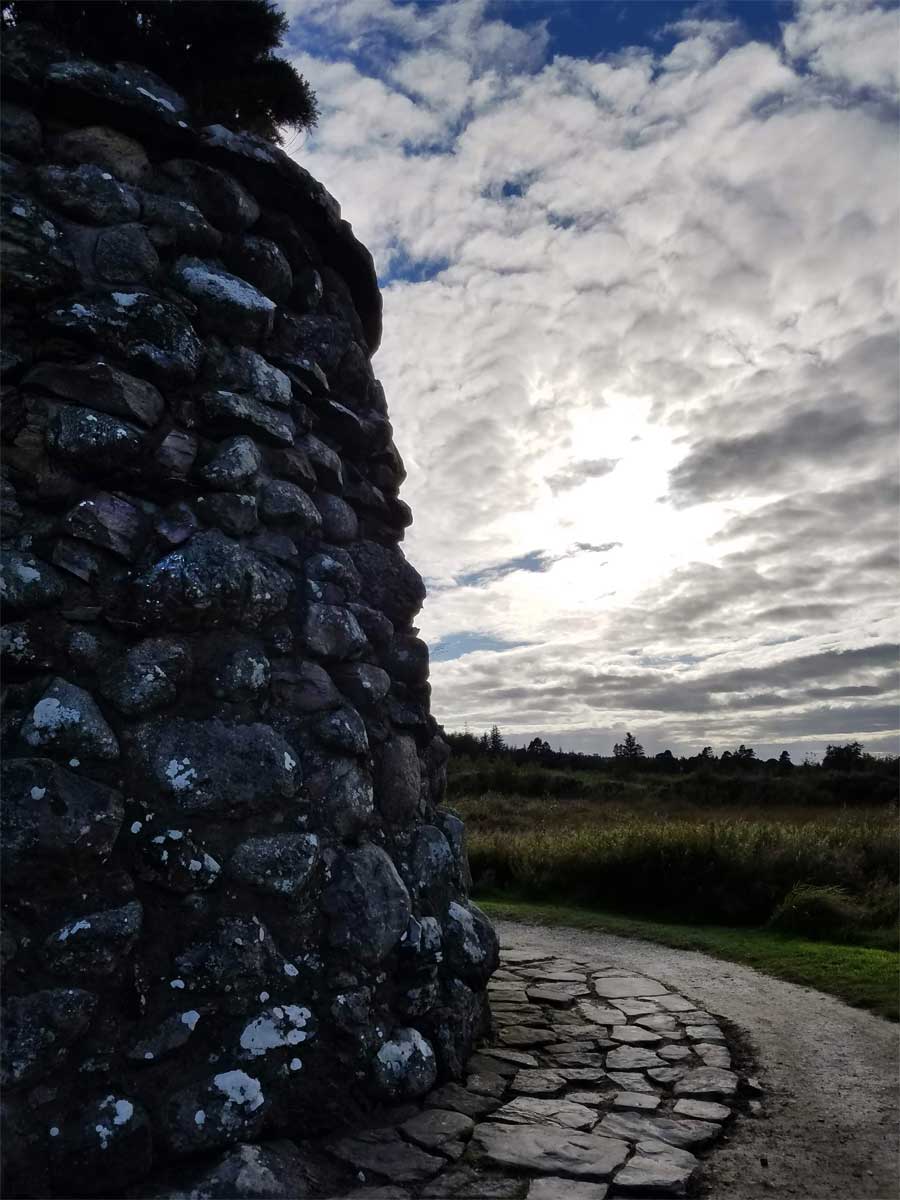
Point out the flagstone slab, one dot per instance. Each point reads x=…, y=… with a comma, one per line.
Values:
x=551, y=1151
x=635, y=1008
x=518, y=1058
x=632, y=1058
x=562, y=994
x=386, y=1153
x=684, y=1132
x=461, y=1100
x=657, y=1169
x=675, y=1003
x=712, y=1055
x=539, y=1110
x=527, y=1035
x=626, y=986
x=635, y=1101
x=631, y=1035
x=707, y=1083
x=703, y=1110
x=538, y=1083
x=631, y=1081
x=704, y=1033
x=555, y=1187
x=435, y=1127
x=601, y=1014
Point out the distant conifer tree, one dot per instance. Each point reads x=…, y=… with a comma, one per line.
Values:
x=219, y=56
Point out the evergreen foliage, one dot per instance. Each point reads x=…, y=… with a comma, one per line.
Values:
x=219, y=56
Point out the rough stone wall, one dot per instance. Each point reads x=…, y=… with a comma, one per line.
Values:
x=233, y=905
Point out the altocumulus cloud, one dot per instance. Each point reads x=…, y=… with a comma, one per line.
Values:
x=641, y=302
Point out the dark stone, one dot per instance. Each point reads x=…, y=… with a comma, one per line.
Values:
x=38, y=1030
x=294, y=465
x=240, y=369
x=37, y=258
x=173, y=860
x=237, y=954
x=242, y=414
x=108, y=521
x=332, y=632
x=262, y=263
x=471, y=949
x=101, y=387
x=233, y=465
x=150, y=334
x=340, y=793
x=175, y=525
x=26, y=583
x=339, y=523
x=377, y=628
x=287, y=504
x=234, y=515
x=461, y=1100
x=389, y=582
x=270, y=1171
x=149, y=677
x=361, y=682
x=334, y=569
x=408, y=660
x=326, y=464
x=20, y=131
x=278, y=865
x=209, y=582
x=240, y=669
x=307, y=290
x=95, y=945
x=55, y=823
x=399, y=780
x=102, y=1146
x=125, y=255
x=343, y=730
x=405, y=1066
x=203, y=766
x=218, y=195
x=175, y=456
x=303, y=687
x=430, y=874
x=230, y=1106
x=179, y=224
x=367, y=905
x=122, y=156
x=384, y=1152
x=138, y=100
x=228, y=305
x=87, y=193
x=66, y=721
x=91, y=443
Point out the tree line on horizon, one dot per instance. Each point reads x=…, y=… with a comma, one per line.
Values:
x=629, y=753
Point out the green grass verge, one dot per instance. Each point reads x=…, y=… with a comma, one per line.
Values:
x=858, y=975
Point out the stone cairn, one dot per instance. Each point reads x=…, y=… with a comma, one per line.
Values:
x=234, y=908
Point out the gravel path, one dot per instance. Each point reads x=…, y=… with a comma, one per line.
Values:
x=830, y=1072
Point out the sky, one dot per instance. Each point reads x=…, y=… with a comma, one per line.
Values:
x=639, y=265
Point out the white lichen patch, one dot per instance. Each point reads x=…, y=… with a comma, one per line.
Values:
x=69, y=930
x=284, y=1025
x=290, y=969
x=240, y=1089
x=38, y=793
x=50, y=717
x=190, y=1019
x=180, y=774
x=176, y=983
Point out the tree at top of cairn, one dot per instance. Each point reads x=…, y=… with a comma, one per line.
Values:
x=219, y=56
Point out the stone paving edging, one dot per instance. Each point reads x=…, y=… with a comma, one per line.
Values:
x=597, y=1081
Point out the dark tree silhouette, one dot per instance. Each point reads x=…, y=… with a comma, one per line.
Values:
x=844, y=758
x=219, y=56
x=631, y=748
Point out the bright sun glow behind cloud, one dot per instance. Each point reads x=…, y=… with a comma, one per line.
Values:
x=640, y=352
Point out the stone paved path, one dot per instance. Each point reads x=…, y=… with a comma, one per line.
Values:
x=598, y=1080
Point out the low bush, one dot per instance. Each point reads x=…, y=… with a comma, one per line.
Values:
x=818, y=912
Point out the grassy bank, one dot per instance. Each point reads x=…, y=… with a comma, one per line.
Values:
x=862, y=976
x=631, y=853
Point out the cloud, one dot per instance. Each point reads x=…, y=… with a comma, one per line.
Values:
x=643, y=303
x=575, y=474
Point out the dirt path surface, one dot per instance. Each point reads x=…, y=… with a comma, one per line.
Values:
x=830, y=1073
